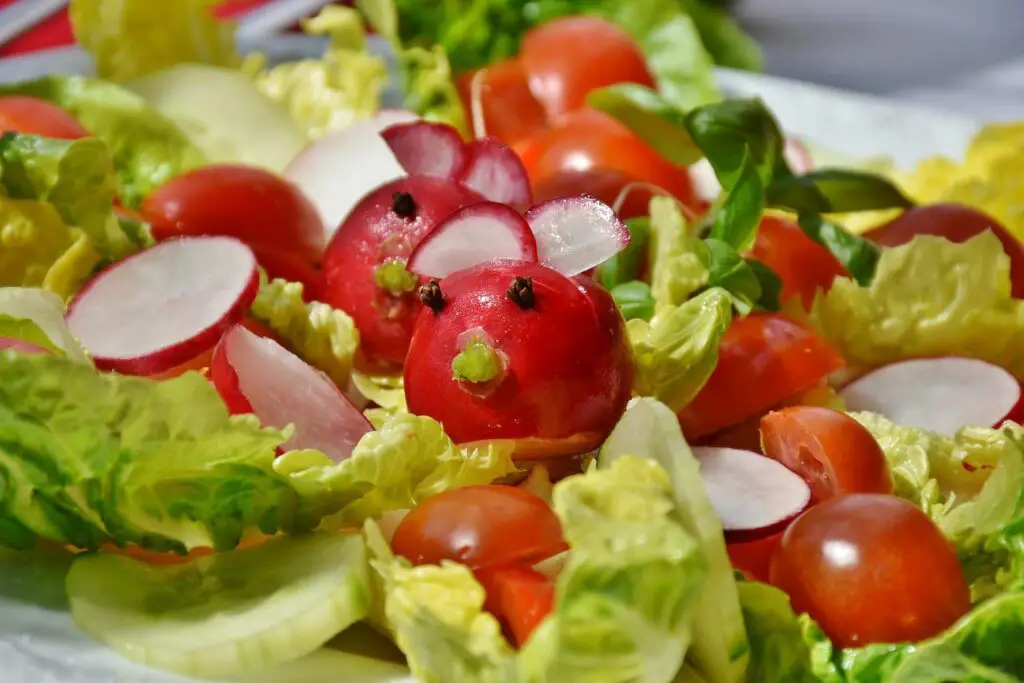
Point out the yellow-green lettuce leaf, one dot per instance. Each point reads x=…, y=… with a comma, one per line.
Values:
x=37, y=316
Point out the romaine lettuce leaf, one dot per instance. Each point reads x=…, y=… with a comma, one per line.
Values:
x=677, y=258
x=779, y=651
x=930, y=297
x=324, y=337
x=37, y=316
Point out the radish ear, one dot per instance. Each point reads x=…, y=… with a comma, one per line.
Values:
x=575, y=234
x=941, y=395
x=494, y=170
x=166, y=305
x=258, y=375
x=425, y=148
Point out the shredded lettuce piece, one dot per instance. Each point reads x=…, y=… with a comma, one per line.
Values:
x=676, y=263
x=37, y=316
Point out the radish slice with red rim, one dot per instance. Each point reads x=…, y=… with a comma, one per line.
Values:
x=753, y=495
x=575, y=234
x=165, y=305
x=941, y=395
x=425, y=148
x=386, y=118
x=494, y=170
x=258, y=375
x=472, y=235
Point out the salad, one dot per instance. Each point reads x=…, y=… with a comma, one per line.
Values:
x=555, y=373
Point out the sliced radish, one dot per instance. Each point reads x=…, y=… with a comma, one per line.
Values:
x=575, y=234
x=386, y=118
x=425, y=148
x=165, y=305
x=475, y=234
x=494, y=170
x=258, y=375
x=339, y=169
x=940, y=395
x=753, y=495
x=22, y=346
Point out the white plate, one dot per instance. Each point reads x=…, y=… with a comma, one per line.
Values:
x=38, y=641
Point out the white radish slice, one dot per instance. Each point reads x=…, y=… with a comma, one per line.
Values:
x=281, y=390
x=705, y=182
x=940, y=395
x=753, y=495
x=425, y=148
x=165, y=305
x=338, y=170
x=472, y=235
x=575, y=234
x=494, y=170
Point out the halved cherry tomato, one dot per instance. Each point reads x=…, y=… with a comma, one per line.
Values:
x=22, y=114
x=763, y=359
x=589, y=140
x=256, y=206
x=957, y=223
x=479, y=526
x=871, y=568
x=511, y=112
x=567, y=58
x=803, y=265
x=833, y=452
x=754, y=558
x=520, y=596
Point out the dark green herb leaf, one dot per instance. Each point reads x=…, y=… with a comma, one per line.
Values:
x=658, y=123
x=735, y=132
x=835, y=191
x=737, y=218
x=634, y=299
x=625, y=265
x=728, y=270
x=856, y=254
x=771, y=285
x=724, y=39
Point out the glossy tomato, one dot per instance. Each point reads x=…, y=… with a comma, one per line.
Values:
x=833, y=452
x=803, y=265
x=567, y=58
x=605, y=184
x=871, y=568
x=763, y=359
x=754, y=558
x=479, y=526
x=256, y=206
x=510, y=111
x=518, y=595
x=21, y=114
x=588, y=140
x=957, y=223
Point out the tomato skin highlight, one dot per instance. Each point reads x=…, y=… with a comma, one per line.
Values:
x=763, y=359
x=520, y=596
x=255, y=206
x=803, y=265
x=957, y=223
x=35, y=116
x=871, y=568
x=833, y=452
x=511, y=112
x=565, y=59
x=568, y=368
x=479, y=526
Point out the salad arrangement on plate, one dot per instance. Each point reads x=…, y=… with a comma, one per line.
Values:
x=609, y=394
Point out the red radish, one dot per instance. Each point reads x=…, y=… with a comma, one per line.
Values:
x=514, y=350
x=472, y=235
x=165, y=305
x=364, y=265
x=575, y=234
x=753, y=495
x=257, y=375
x=494, y=170
x=386, y=118
x=22, y=346
x=940, y=395
x=337, y=170
x=425, y=148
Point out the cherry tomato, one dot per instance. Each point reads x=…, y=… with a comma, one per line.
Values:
x=763, y=359
x=754, y=558
x=479, y=526
x=21, y=114
x=871, y=568
x=511, y=112
x=605, y=184
x=803, y=265
x=833, y=452
x=518, y=595
x=588, y=140
x=567, y=58
x=256, y=206
x=957, y=223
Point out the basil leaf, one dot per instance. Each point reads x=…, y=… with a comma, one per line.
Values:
x=625, y=265
x=728, y=270
x=736, y=220
x=735, y=132
x=835, y=191
x=634, y=299
x=858, y=255
x=771, y=285
x=651, y=118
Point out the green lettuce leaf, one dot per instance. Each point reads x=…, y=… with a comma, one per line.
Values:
x=324, y=337
x=650, y=430
x=37, y=316
x=779, y=652
x=929, y=297
x=677, y=258
x=131, y=38
x=724, y=40
x=147, y=149
x=626, y=265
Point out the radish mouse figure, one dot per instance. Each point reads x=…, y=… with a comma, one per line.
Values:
x=515, y=350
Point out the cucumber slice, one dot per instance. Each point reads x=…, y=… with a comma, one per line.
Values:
x=224, y=614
